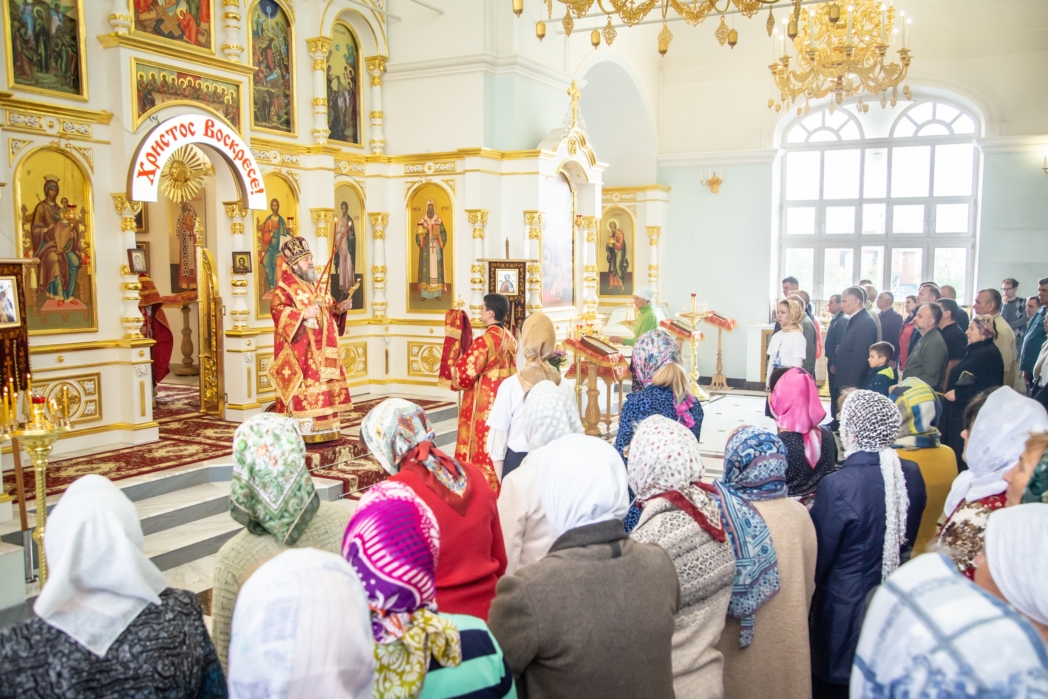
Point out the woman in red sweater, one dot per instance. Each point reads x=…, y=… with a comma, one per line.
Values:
x=398, y=433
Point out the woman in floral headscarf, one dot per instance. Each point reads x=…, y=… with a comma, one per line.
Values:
x=765, y=640
x=681, y=516
x=393, y=544
x=399, y=436
x=272, y=495
x=657, y=368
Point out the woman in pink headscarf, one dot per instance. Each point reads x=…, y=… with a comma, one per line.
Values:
x=811, y=449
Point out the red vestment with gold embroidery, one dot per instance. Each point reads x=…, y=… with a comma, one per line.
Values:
x=489, y=361
x=306, y=371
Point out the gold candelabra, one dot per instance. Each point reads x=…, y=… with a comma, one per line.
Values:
x=696, y=315
x=37, y=434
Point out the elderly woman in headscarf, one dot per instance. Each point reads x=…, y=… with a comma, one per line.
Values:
x=811, y=450
x=549, y=414
x=681, y=515
x=399, y=435
x=106, y=624
x=918, y=441
x=765, y=642
x=981, y=368
x=272, y=494
x=930, y=632
x=393, y=543
x=1028, y=479
x=665, y=390
x=553, y=619
x=866, y=517
x=996, y=443
x=506, y=441
x=301, y=630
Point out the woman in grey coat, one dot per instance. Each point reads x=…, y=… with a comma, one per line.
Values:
x=595, y=617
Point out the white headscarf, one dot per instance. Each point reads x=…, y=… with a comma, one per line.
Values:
x=583, y=482
x=99, y=578
x=870, y=422
x=549, y=413
x=302, y=629
x=996, y=442
x=1016, y=548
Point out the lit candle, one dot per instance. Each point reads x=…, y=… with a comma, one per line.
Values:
x=29, y=385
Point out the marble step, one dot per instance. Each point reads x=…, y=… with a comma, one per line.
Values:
x=188, y=542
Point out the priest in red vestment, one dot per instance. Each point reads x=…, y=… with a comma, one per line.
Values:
x=155, y=327
x=307, y=371
x=477, y=372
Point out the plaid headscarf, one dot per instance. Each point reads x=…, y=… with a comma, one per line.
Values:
x=919, y=409
x=271, y=491
x=754, y=469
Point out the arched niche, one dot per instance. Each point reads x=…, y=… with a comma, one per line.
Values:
x=367, y=24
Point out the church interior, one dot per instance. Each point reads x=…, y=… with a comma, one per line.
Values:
x=581, y=159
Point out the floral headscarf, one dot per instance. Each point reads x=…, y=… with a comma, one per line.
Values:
x=665, y=463
x=870, y=422
x=920, y=409
x=795, y=316
x=985, y=325
x=653, y=349
x=399, y=435
x=393, y=542
x=270, y=490
x=754, y=469
x=549, y=413
x=538, y=339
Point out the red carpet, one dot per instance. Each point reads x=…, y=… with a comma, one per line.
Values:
x=190, y=437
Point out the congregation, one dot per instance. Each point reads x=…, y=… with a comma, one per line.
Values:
x=895, y=550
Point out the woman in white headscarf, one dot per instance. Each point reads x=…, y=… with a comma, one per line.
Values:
x=595, y=617
x=548, y=414
x=996, y=443
x=930, y=632
x=107, y=624
x=302, y=629
x=866, y=517
x=506, y=443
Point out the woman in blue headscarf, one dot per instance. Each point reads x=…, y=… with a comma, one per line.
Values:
x=765, y=640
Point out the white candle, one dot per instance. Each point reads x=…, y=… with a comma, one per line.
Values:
x=906, y=34
x=884, y=21
x=811, y=23
x=849, y=25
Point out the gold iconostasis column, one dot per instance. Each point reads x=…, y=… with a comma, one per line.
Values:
x=131, y=318
x=232, y=48
x=376, y=67
x=120, y=17
x=589, y=276
x=533, y=221
x=653, y=259
x=478, y=218
x=239, y=310
x=322, y=219
x=378, y=268
x=319, y=49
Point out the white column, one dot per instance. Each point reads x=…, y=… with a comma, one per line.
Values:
x=120, y=17
x=533, y=221
x=653, y=259
x=131, y=318
x=232, y=47
x=478, y=218
x=589, y=276
x=322, y=219
x=238, y=307
x=376, y=67
x=378, y=269
x=319, y=49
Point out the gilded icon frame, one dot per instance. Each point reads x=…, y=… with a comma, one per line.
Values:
x=631, y=247
x=361, y=241
x=290, y=13
x=159, y=40
x=82, y=43
x=360, y=70
x=137, y=119
x=449, y=249
x=11, y=281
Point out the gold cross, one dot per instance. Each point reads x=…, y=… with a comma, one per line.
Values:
x=575, y=94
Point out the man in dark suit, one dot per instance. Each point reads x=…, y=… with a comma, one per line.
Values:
x=891, y=321
x=1035, y=334
x=838, y=322
x=851, y=359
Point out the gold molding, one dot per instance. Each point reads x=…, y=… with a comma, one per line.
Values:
x=92, y=345
x=139, y=43
x=106, y=428
x=59, y=111
x=421, y=355
x=641, y=188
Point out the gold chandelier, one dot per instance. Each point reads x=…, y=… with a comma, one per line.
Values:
x=841, y=52
x=632, y=12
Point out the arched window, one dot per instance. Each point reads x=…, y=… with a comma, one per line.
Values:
x=888, y=196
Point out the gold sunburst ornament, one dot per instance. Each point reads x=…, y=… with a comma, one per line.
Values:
x=183, y=175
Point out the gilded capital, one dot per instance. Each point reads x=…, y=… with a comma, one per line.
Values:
x=235, y=210
x=477, y=217
x=378, y=221
x=322, y=218
x=533, y=218
x=653, y=234
x=376, y=65
x=123, y=205
x=319, y=47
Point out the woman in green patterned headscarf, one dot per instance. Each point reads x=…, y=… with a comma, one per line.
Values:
x=272, y=494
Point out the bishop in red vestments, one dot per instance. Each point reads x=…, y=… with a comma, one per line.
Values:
x=477, y=372
x=307, y=371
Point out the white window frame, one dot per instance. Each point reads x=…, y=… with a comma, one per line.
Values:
x=927, y=241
